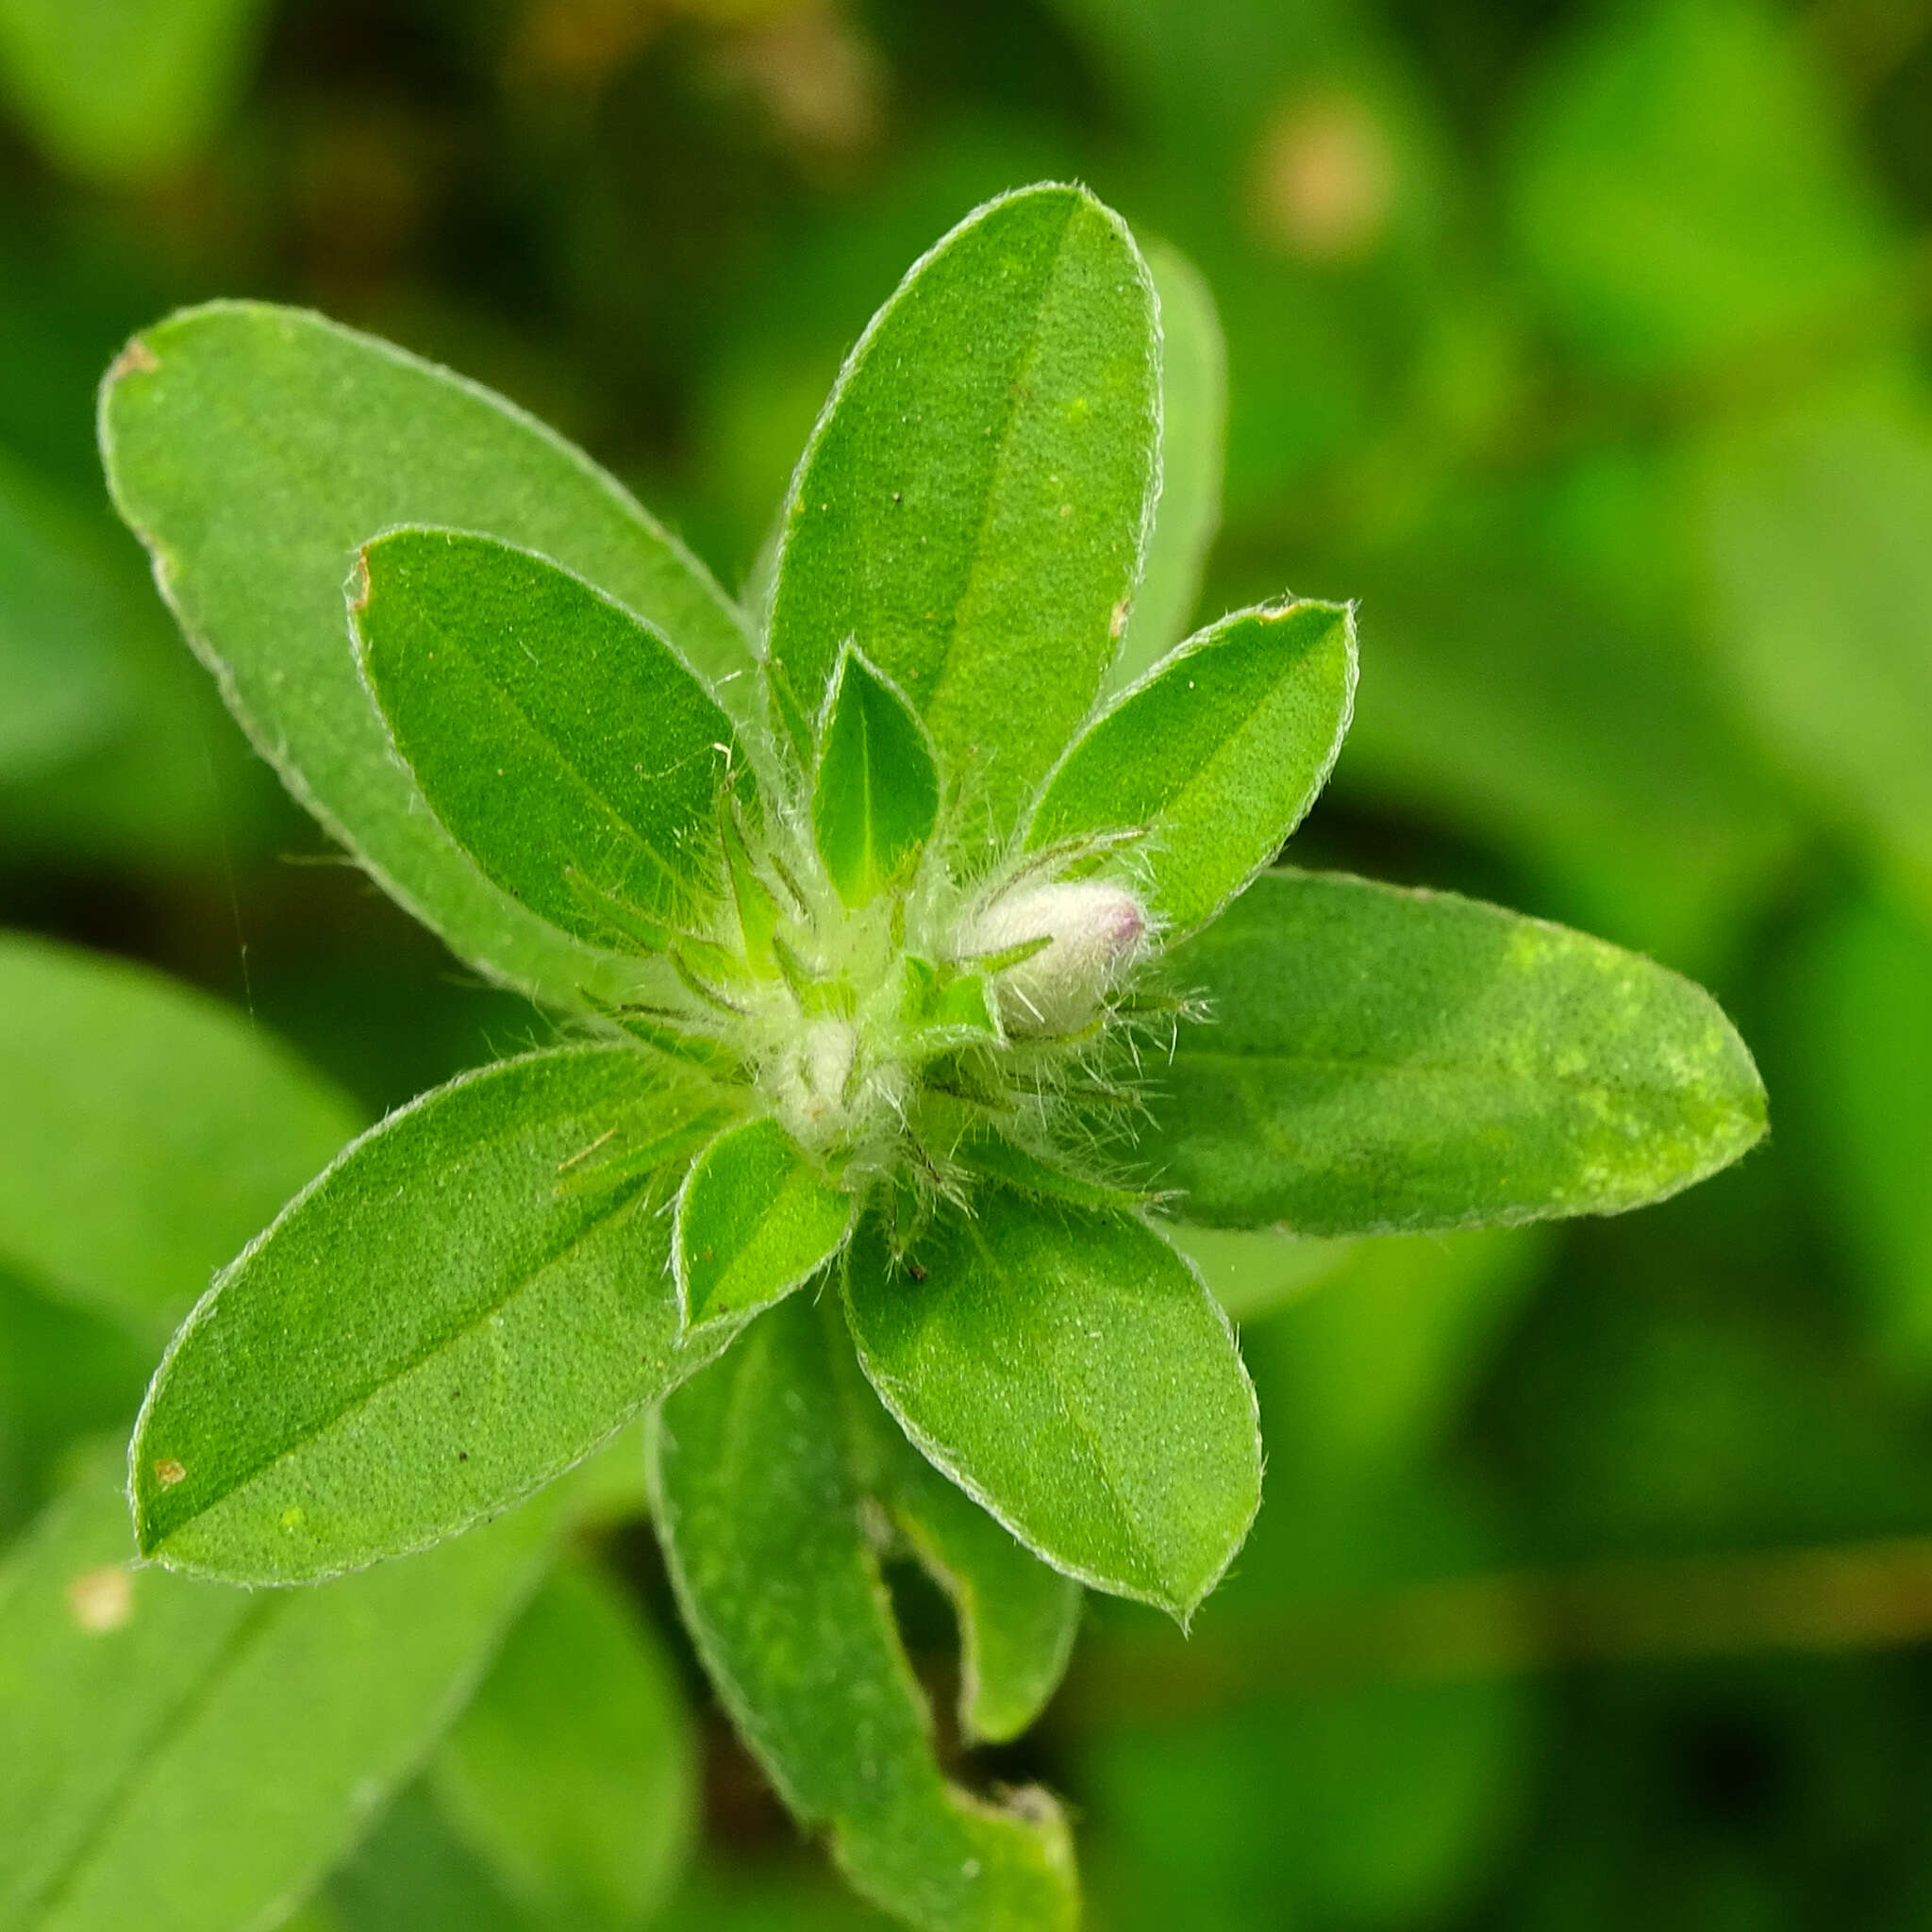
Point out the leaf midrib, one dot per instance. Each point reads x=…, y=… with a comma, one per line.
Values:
x=441, y=1343
x=585, y=786
x=1476, y=1068
x=998, y=470
x=173, y=1723
x=1087, y=1433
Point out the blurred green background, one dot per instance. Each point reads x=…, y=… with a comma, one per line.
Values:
x=1590, y=346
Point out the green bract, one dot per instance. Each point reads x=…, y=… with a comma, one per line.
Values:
x=909, y=960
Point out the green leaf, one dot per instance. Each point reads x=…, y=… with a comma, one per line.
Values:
x=1816, y=534
x=147, y=1131
x=125, y=89
x=184, y=1755
x=66, y=1375
x=971, y=509
x=565, y=747
x=1860, y=1017
x=760, y=1514
x=1686, y=188
x=1193, y=448
x=63, y=687
x=1218, y=753
x=876, y=798
x=1068, y=1370
x=1389, y=1061
x=411, y=1873
x=754, y=1220
x=1253, y=1272
x=1364, y=1375
x=571, y=1773
x=253, y=449
x=466, y=1303
x=1018, y=1618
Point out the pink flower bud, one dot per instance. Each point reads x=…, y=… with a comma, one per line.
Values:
x=1095, y=931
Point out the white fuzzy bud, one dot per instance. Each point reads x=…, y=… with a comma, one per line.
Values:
x=814, y=1079
x=1094, y=931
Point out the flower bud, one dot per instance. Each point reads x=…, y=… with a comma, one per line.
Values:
x=1094, y=931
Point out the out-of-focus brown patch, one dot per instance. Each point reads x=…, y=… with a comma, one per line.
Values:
x=819, y=77
x=102, y=1600
x=1324, y=179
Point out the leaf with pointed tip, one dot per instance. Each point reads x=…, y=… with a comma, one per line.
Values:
x=758, y=1506
x=1218, y=752
x=1017, y=1616
x=973, y=507
x=147, y=1132
x=1194, y=452
x=876, y=798
x=1381, y=1062
x=180, y=1754
x=1067, y=1369
x=570, y=1773
x=469, y=1300
x=754, y=1220
x=252, y=449
x=563, y=744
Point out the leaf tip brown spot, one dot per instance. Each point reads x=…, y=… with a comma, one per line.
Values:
x=101, y=1600
x=137, y=359
x=168, y=1473
x=359, y=602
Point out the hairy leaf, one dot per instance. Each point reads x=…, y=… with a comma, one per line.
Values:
x=253, y=449
x=876, y=798
x=1193, y=451
x=1067, y=1369
x=181, y=1755
x=147, y=1132
x=1381, y=1062
x=971, y=509
x=755, y=1219
x=571, y=1773
x=760, y=1514
x=467, y=1302
x=1218, y=753
x=564, y=744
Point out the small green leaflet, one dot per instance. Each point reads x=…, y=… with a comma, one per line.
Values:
x=755, y=1219
x=972, y=509
x=876, y=798
x=473, y=1297
x=1382, y=1061
x=565, y=747
x=1069, y=1371
x=758, y=1508
x=1217, y=754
